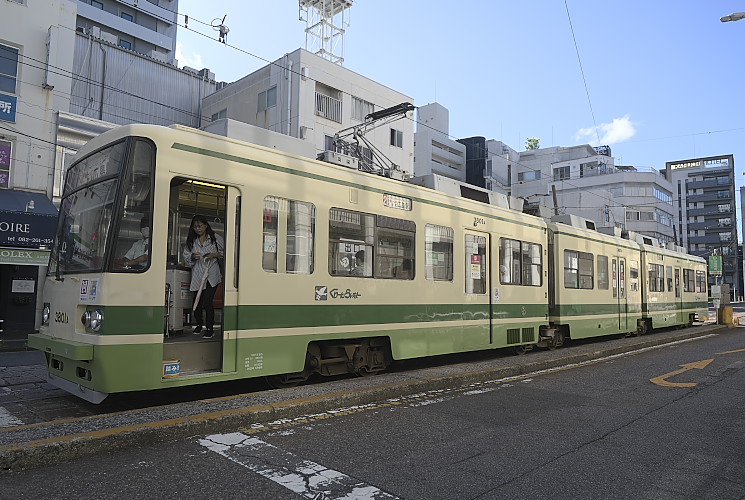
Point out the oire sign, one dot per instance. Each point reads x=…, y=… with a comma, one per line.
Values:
x=26, y=229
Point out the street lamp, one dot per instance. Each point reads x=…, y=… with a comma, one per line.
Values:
x=736, y=16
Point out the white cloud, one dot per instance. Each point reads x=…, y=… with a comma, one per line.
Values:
x=192, y=60
x=619, y=130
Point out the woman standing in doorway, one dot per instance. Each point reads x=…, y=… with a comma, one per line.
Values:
x=203, y=248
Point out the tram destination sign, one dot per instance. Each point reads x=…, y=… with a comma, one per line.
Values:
x=399, y=202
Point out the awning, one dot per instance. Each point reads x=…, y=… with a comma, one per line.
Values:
x=26, y=219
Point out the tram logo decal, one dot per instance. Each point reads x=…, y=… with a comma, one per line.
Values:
x=323, y=293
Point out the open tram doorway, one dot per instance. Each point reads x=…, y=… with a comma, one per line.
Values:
x=195, y=208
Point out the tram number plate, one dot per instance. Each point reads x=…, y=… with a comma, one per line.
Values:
x=171, y=369
x=61, y=317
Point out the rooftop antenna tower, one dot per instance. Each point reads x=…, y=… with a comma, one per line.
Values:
x=325, y=21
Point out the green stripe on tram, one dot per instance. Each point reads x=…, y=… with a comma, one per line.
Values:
x=131, y=320
x=594, y=309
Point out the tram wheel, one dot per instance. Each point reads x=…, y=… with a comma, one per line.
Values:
x=519, y=350
x=285, y=380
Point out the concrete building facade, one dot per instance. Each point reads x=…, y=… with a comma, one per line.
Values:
x=435, y=153
x=36, y=40
x=707, y=212
x=311, y=98
x=589, y=184
x=147, y=27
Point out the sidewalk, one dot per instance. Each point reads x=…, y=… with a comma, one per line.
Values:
x=14, y=341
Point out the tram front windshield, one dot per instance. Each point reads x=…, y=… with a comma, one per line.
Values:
x=95, y=214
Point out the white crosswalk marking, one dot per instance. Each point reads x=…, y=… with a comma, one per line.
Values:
x=8, y=420
x=304, y=477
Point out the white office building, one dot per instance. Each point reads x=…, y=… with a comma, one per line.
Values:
x=306, y=96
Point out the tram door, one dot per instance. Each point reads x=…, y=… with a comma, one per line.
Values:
x=678, y=295
x=478, y=307
x=621, y=293
x=188, y=344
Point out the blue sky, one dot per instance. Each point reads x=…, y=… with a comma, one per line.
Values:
x=665, y=78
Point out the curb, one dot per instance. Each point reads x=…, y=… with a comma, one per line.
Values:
x=50, y=443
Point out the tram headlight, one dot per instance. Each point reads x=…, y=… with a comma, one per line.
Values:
x=96, y=320
x=86, y=319
x=45, y=314
x=92, y=319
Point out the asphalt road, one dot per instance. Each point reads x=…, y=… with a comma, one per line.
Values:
x=661, y=422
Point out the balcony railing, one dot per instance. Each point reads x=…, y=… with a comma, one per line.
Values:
x=328, y=107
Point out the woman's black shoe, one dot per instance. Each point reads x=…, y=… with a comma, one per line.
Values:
x=197, y=329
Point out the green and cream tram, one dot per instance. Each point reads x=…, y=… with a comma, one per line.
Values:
x=442, y=274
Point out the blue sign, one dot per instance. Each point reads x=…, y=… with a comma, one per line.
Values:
x=18, y=229
x=171, y=369
x=8, y=108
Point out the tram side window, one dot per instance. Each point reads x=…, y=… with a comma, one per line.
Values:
x=634, y=275
x=689, y=280
x=289, y=230
x=367, y=245
x=578, y=270
x=475, y=264
x=394, y=252
x=656, y=278
x=603, y=272
x=701, y=281
x=438, y=253
x=520, y=263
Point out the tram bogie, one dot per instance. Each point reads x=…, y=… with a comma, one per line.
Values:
x=325, y=270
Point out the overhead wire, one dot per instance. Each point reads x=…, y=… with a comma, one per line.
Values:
x=187, y=18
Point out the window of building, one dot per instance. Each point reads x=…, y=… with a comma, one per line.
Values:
x=397, y=138
x=223, y=113
x=520, y=263
x=561, y=173
x=8, y=69
x=475, y=260
x=725, y=236
x=6, y=149
x=267, y=99
x=603, y=272
x=532, y=175
x=361, y=108
x=438, y=253
x=724, y=207
x=723, y=193
x=367, y=245
x=125, y=44
x=289, y=230
x=96, y=4
x=127, y=17
x=663, y=195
